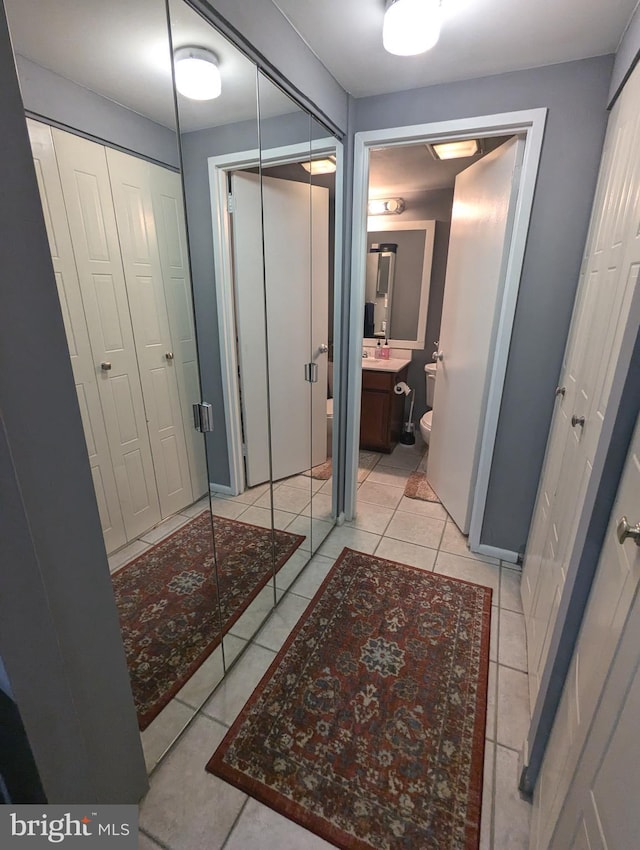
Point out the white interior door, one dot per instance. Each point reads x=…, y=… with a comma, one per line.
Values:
x=608, y=280
x=132, y=199
x=87, y=194
x=483, y=210
x=168, y=208
x=296, y=256
x=590, y=773
x=82, y=361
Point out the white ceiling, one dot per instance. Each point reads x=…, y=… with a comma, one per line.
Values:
x=120, y=49
x=479, y=37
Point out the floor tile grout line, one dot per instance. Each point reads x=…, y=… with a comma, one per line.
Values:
x=234, y=824
x=155, y=840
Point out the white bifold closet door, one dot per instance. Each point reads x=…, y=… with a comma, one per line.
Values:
x=86, y=372
x=87, y=194
x=131, y=185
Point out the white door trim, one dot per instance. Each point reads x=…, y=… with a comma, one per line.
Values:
x=531, y=124
x=219, y=166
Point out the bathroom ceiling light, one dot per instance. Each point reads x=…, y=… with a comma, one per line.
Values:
x=455, y=150
x=197, y=73
x=411, y=26
x=386, y=206
x=320, y=166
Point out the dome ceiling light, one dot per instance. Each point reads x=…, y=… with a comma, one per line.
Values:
x=411, y=26
x=197, y=73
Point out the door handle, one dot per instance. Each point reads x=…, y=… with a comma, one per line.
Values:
x=323, y=348
x=561, y=391
x=169, y=355
x=437, y=356
x=105, y=366
x=625, y=530
x=577, y=420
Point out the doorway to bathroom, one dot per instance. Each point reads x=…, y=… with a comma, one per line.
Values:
x=477, y=324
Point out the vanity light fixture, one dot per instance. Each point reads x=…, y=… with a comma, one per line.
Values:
x=411, y=26
x=386, y=206
x=320, y=166
x=197, y=73
x=455, y=150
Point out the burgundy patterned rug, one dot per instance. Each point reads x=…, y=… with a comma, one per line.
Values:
x=167, y=599
x=368, y=728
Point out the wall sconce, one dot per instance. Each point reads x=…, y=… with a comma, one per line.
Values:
x=197, y=73
x=411, y=26
x=386, y=206
x=320, y=166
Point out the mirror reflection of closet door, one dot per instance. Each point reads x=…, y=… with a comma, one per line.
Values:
x=219, y=143
x=112, y=203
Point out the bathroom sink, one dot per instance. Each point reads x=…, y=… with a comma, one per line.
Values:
x=393, y=364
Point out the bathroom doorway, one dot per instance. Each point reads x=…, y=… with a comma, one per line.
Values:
x=375, y=153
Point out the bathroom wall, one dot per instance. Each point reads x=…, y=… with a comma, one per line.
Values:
x=627, y=55
x=575, y=94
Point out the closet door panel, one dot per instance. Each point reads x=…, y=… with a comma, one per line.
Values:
x=130, y=184
x=87, y=195
x=82, y=363
x=168, y=210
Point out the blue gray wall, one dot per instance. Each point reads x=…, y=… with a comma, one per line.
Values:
x=576, y=96
x=58, y=100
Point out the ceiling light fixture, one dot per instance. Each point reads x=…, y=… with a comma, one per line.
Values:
x=197, y=73
x=386, y=206
x=411, y=26
x=455, y=150
x=320, y=166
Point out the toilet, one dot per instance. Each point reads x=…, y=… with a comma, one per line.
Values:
x=425, y=422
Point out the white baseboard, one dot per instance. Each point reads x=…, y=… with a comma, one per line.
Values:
x=224, y=489
x=501, y=554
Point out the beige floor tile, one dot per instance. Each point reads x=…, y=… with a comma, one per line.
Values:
x=491, y=702
x=168, y=526
x=421, y=530
x=312, y=577
x=370, y=517
x=389, y=475
x=239, y=684
x=128, y=553
x=353, y=538
x=279, y=625
x=512, y=814
x=227, y=508
x=290, y=571
x=304, y=482
x=513, y=646
x=251, y=495
x=510, y=590
x=186, y=807
x=380, y=494
x=233, y=646
x=262, y=517
x=326, y=487
x=314, y=531
x=406, y=553
x=260, y=828
x=291, y=499
x=163, y=730
x=203, y=681
x=319, y=507
x=146, y=843
x=469, y=569
x=456, y=543
x=255, y=614
x=419, y=506
x=197, y=508
x=493, y=643
x=513, y=707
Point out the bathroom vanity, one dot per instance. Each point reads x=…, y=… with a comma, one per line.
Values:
x=382, y=411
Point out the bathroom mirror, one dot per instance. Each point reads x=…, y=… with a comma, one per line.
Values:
x=398, y=279
x=102, y=124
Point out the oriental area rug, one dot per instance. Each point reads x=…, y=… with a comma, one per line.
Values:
x=168, y=597
x=417, y=487
x=368, y=728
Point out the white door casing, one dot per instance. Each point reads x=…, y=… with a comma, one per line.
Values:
x=87, y=194
x=586, y=793
x=82, y=361
x=482, y=218
x=168, y=209
x=132, y=199
x=608, y=281
x=296, y=315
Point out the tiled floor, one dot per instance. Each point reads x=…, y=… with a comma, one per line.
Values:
x=189, y=808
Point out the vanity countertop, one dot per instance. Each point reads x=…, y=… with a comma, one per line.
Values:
x=393, y=364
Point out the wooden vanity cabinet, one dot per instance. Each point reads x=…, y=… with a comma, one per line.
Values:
x=382, y=411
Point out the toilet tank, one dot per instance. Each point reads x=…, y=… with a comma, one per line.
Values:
x=430, y=375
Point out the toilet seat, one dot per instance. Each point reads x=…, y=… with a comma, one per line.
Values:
x=329, y=408
x=425, y=426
